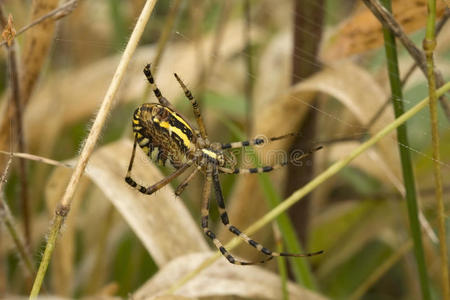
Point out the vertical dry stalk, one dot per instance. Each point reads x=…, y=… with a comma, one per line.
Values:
x=64, y=207
x=8, y=220
x=429, y=44
x=164, y=38
x=249, y=84
x=162, y=42
x=9, y=34
x=35, y=51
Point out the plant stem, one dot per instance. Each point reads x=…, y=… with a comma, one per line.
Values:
x=405, y=155
x=429, y=44
x=300, y=268
x=281, y=261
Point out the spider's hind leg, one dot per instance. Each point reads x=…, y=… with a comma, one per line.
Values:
x=205, y=216
x=243, y=236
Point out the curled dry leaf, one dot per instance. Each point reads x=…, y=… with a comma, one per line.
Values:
x=160, y=221
x=362, y=31
x=220, y=279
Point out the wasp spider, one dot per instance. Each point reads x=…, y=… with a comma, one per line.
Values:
x=168, y=139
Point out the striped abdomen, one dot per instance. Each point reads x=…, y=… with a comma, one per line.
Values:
x=163, y=134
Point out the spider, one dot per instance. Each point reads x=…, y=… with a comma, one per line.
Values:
x=169, y=140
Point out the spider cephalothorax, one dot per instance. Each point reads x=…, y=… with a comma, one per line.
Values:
x=169, y=140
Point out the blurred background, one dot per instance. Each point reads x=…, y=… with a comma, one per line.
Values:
x=256, y=67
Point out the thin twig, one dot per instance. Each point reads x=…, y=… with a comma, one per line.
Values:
x=55, y=14
x=8, y=220
x=165, y=34
x=162, y=42
x=41, y=159
x=63, y=208
x=18, y=124
x=386, y=19
x=250, y=81
x=281, y=261
x=429, y=44
x=218, y=36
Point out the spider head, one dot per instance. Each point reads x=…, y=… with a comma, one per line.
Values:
x=219, y=155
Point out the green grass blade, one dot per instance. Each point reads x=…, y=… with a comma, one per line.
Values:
x=300, y=267
x=405, y=157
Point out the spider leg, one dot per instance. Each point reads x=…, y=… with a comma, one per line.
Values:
x=265, y=169
x=155, y=89
x=243, y=236
x=153, y=188
x=205, y=216
x=197, y=114
x=256, y=141
x=186, y=181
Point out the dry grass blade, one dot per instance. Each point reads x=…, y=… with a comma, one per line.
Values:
x=161, y=221
x=222, y=279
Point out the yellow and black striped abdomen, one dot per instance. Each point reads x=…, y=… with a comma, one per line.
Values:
x=163, y=134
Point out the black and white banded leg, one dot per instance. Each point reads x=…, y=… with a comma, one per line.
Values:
x=243, y=236
x=197, y=114
x=205, y=216
x=155, y=89
x=163, y=182
x=256, y=141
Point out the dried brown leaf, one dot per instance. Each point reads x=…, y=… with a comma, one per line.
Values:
x=9, y=32
x=362, y=31
x=221, y=279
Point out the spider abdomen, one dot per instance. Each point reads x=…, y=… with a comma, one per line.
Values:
x=163, y=134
